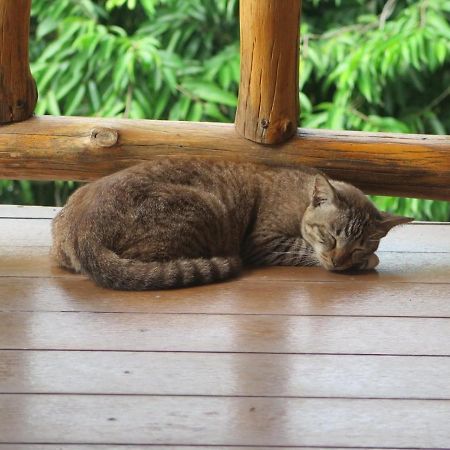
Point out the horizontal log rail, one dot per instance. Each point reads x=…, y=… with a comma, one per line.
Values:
x=83, y=149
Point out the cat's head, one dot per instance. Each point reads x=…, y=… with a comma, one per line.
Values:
x=344, y=227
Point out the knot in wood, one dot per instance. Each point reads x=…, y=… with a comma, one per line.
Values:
x=265, y=123
x=104, y=137
x=287, y=128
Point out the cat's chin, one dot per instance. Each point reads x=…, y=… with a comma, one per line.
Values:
x=368, y=265
x=339, y=269
x=372, y=262
x=332, y=268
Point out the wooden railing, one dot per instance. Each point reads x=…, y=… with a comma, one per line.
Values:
x=18, y=93
x=268, y=106
x=68, y=148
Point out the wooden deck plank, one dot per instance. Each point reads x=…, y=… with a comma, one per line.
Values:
x=394, y=267
x=224, y=421
x=416, y=237
x=423, y=237
x=223, y=333
x=28, y=212
x=25, y=232
x=341, y=376
x=317, y=355
x=176, y=447
x=235, y=297
x=172, y=447
x=165, y=447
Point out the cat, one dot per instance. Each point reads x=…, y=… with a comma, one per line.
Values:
x=174, y=223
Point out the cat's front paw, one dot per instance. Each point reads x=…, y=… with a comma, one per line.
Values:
x=370, y=263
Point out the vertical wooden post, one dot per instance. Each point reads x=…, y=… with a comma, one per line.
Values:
x=268, y=105
x=18, y=93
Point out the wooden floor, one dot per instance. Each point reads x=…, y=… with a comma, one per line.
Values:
x=282, y=357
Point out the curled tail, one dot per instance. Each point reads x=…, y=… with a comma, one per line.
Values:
x=110, y=270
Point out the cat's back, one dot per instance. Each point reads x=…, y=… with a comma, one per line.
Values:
x=126, y=188
x=192, y=171
x=152, y=192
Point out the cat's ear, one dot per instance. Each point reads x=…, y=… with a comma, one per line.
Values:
x=389, y=221
x=323, y=192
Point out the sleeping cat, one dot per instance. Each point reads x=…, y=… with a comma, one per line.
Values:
x=174, y=223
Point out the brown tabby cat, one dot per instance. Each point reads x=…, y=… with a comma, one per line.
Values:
x=174, y=223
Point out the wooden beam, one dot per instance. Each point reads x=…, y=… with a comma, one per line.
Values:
x=268, y=107
x=18, y=92
x=72, y=148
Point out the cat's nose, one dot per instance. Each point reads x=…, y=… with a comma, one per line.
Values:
x=339, y=258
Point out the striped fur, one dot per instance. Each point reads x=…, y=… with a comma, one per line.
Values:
x=175, y=223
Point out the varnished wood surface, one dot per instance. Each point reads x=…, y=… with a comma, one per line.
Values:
x=224, y=421
x=395, y=267
x=268, y=106
x=245, y=296
x=281, y=357
x=225, y=333
x=410, y=238
x=28, y=212
x=69, y=148
x=228, y=374
x=162, y=447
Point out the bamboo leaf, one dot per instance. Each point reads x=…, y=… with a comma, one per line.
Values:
x=210, y=92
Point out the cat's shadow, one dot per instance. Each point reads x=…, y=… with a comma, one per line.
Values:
x=357, y=272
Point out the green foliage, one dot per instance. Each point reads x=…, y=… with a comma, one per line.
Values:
x=413, y=207
x=372, y=65
x=137, y=59
x=42, y=193
x=381, y=67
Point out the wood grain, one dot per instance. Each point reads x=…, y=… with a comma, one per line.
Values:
x=232, y=374
x=24, y=261
x=18, y=93
x=222, y=333
x=282, y=357
x=394, y=268
x=28, y=212
x=268, y=107
x=419, y=237
x=25, y=232
x=246, y=296
x=51, y=148
x=163, y=447
x=224, y=421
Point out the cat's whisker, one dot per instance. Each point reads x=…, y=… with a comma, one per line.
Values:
x=286, y=253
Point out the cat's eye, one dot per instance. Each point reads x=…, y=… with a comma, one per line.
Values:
x=332, y=241
x=328, y=240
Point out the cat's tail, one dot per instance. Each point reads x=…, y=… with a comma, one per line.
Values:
x=109, y=270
